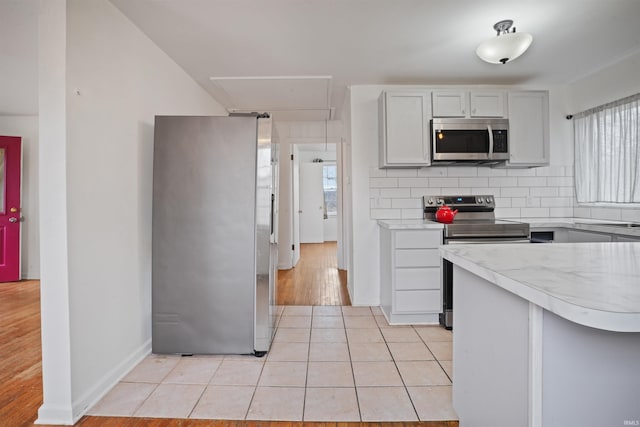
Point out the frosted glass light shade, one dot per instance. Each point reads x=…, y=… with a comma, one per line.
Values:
x=504, y=48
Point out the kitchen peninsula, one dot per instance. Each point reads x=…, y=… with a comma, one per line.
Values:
x=546, y=334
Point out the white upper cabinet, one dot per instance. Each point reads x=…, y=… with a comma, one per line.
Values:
x=449, y=103
x=404, y=129
x=486, y=104
x=461, y=103
x=528, y=129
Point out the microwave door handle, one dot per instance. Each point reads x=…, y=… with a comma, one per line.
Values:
x=490, y=142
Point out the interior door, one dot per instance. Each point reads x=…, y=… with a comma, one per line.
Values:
x=10, y=211
x=295, y=192
x=311, y=203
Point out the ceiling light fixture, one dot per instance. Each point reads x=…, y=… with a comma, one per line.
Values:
x=506, y=47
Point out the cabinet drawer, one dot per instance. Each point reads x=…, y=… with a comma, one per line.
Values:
x=417, y=278
x=417, y=258
x=418, y=239
x=418, y=301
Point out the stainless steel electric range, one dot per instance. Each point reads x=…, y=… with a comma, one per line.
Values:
x=475, y=222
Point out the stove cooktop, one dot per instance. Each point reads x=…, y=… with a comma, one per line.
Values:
x=475, y=217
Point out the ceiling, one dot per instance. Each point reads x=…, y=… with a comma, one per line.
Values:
x=297, y=57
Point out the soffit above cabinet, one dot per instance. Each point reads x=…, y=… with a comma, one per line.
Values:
x=285, y=97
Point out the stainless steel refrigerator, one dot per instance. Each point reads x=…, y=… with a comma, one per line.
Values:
x=214, y=250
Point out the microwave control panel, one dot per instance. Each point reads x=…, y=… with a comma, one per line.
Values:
x=500, y=141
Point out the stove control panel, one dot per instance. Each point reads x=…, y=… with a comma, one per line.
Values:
x=464, y=203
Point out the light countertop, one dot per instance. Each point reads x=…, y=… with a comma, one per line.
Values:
x=602, y=226
x=410, y=224
x=592, y=284
x=599, y=225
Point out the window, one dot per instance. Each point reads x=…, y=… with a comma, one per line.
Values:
x=607, y=153
x=330, y=185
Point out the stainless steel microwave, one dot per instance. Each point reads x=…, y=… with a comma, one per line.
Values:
x=469, y=140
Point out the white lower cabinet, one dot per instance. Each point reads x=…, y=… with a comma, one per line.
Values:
x=410, y=275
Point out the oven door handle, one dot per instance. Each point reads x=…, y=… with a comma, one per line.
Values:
x=490, y=141
x=486, y=241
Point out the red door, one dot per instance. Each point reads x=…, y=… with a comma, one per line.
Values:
x=10, y=217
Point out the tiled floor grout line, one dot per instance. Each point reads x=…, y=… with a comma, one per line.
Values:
x=255, y=388
x=399, y=374
x=306, y=377
x=329, y=338
x=353, y=374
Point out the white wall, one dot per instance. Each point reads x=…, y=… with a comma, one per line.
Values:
x=609, y=84
x=27, y=128
x=116, y=81
x=396, y=193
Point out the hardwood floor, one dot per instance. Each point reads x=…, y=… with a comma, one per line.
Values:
x=315, y=280
x=21, y=374
x=20, y=353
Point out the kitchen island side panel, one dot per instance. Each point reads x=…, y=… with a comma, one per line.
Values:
x=490, y=353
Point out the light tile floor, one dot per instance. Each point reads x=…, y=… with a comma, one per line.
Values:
x=326, y=363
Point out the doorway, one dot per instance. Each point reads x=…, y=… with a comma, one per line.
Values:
x=314, y=277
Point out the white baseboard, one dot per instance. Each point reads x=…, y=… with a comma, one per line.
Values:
x=48, y=415
x=30, y=275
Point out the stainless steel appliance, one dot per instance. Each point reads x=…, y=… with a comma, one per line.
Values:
x=474, y=223
x=469, y=141
x=214, y=247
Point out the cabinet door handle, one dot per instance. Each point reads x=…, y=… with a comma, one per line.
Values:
x=490, y=141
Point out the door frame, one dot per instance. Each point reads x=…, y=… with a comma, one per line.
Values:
x=289, y=148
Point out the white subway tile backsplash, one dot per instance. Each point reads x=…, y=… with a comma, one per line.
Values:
x=566, y=192
x=507, y=212
x=550, y=171
x=534, y=212
x=395, y=192
x=474, y=182
x=456, y=190
x=495, y=192
x=581, y=212
x=406, y=203
x=443, y=182
x=556, y=202
x=377, y=173
x=431, y=191
x=537, y=192
x=532, y=182
x=532, y=202
x=503, y=182
x=521, y=172
x=561, y=212
x=502, y=202
x=411, y=213
x=383, y=182
x=413, y=182
x=544, y=191
x=433, y=171
x=462, y=171
x=514, y=192
x=605, y=213
x=386, y=214
x=518, y=202
x=380, y=203
x=555, y=181
x=402, y=173
x=491, y=172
